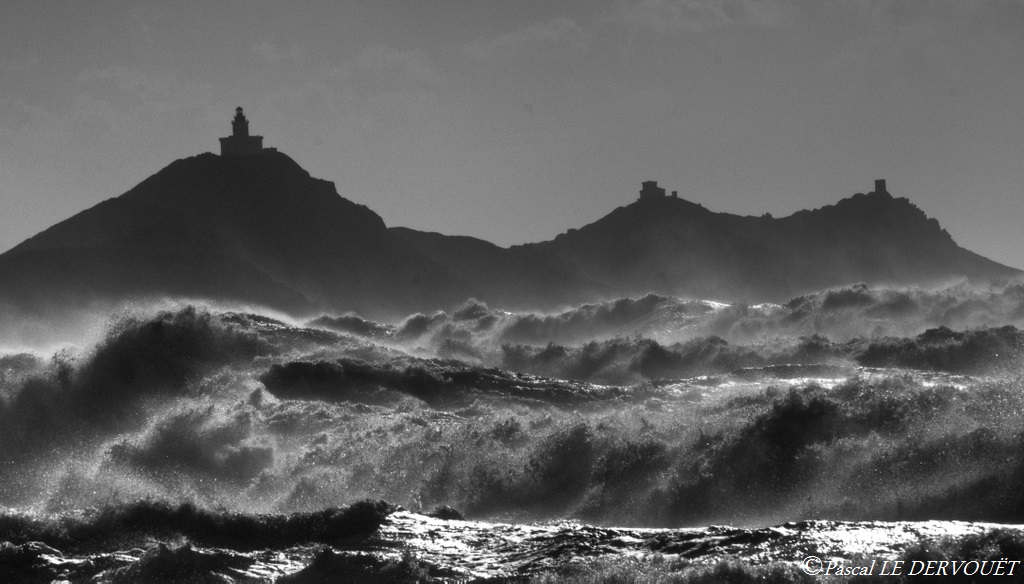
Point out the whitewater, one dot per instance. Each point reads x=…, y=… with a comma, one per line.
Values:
x=648, y=439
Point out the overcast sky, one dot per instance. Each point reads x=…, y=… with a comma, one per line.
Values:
x=516, y=120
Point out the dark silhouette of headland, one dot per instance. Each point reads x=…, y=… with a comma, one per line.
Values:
x=251, y=225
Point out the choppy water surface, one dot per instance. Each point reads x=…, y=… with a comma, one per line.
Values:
x=242, y=436
x=409, y=546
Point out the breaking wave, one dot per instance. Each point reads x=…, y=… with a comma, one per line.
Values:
x=130, y=524
x=240, y=430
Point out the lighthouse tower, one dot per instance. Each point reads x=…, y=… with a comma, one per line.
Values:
x=240, y=143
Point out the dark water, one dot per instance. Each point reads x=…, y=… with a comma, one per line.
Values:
x=607, y=438
x=406, y=546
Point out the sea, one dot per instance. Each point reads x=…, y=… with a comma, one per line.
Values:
x=847, y=435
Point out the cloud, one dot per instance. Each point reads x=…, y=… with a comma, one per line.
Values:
x=381, y=69
x=412, y=66
x=545, y=37
x=366, y=97
x=339, y=94
x=142, y=30
x=943, y=40
x=19, y=65
x=115, y=101
x=157, y=92
x=706, y=15
x=273, y=55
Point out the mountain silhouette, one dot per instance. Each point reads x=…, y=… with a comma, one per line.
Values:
x=259, y=229
x=254, y=229
x=669, y=245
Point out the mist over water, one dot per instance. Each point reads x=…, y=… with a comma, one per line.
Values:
x=850, y=404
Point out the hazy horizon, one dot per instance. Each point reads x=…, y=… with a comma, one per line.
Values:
x=514, y=122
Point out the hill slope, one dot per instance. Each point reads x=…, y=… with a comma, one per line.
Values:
x=672, y=246
x=514, y=278
x=249, y=228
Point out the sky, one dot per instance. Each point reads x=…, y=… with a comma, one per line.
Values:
x=514, y=121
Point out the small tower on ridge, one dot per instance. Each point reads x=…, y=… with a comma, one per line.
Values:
x=651, y=190
x=240, y=143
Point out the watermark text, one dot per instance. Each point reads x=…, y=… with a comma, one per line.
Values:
x=815, y=566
